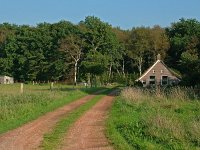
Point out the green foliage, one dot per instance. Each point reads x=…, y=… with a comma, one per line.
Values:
x=31, y=52
x=47, y=51
x=102, y=46
x=184, y=52
x=95, y=63
x=145, y=44
x=191, y=64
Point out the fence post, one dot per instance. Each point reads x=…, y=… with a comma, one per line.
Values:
x=51, y=86
x=22, y=88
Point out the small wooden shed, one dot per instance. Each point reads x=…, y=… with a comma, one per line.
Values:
x=158, y=74
x=6, y=80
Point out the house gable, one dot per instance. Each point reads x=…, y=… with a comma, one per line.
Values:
x=158, y=72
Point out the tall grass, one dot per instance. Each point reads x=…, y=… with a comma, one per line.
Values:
x=174, y=93
x=156, y=119
x=17, y=109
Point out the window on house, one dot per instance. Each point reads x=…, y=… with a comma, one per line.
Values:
x=164, y=80
x=152, y=77
x=161, y=71
x=153, y=71
x=152, y=80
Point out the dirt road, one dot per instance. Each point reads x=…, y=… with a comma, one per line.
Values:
x=31, y=134
x=88, y=133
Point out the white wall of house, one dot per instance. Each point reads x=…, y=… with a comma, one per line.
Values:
x=6, y=80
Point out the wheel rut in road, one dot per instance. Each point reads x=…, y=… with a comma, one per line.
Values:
x=30, y=135
x=88, y=132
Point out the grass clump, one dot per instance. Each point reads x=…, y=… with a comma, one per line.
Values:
x=151, y=119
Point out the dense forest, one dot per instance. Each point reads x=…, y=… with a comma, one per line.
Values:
x=94, y=51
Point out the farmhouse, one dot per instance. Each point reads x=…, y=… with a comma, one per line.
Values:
x=6, y=80
x=158, y=75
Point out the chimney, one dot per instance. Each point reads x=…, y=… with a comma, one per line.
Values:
x=158, y=57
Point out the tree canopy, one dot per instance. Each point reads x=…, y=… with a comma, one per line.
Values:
x=94, y=51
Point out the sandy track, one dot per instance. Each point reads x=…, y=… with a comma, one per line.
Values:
x=88, y=132
x=31, y=134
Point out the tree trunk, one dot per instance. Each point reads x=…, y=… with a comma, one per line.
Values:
x=95, y=81
x=118, y=73
x=140, y=65
x=123, y=68
x=140, y=69
x=92, y=80
x=75, y=73
x=89, y=79
x=110, y=71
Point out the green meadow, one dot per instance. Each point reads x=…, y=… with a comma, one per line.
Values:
x=18, y=108
x=150, y=120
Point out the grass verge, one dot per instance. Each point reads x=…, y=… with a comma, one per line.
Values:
x=53, y=139
x=149, y=121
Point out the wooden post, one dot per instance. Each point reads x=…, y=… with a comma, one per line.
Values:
x=22, y=88
x=51, y=86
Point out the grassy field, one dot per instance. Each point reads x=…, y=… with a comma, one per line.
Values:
x=143, y=119
x=17, y=109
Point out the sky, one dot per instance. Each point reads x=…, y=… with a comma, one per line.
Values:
x=125, y=14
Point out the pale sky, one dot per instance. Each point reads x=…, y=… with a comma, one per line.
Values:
x=123, y=13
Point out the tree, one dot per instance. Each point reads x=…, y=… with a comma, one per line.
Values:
x=55, y=66
x=6, y=62
x=184, y=53
x=95, y=64
x=139, y=46
x=100, y=41
x=190, y=62
x=145, y=44
x=181, y=35
x=123, y=37
x=72, y=45
x=96, y=33
x=160, y=42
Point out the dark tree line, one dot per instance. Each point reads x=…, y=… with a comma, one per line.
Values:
x=95, y=52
